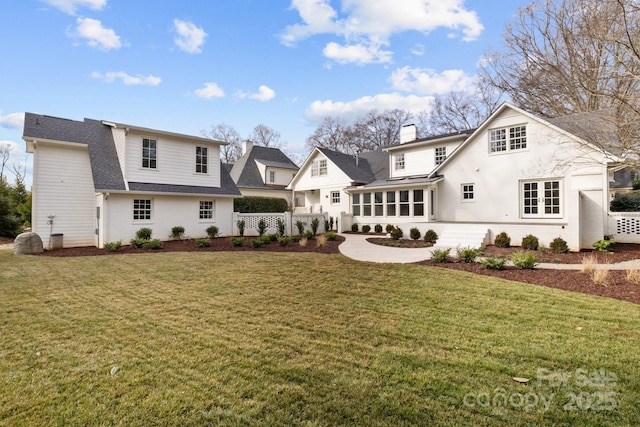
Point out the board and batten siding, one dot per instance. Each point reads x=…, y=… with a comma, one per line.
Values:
x=63, y=187
x=175, y=162
x=167, y=212
x=334, y=178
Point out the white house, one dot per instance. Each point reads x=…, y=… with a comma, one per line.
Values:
x=97, y=181
x=516, y=173
x=263, y=172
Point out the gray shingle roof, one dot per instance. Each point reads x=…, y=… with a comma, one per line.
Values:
x=102, y=151
x=245, y=172
x=105, y=166
x=365, y=168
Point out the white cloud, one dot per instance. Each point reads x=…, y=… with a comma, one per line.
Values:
x=264, y=94
x=374, y=21
x=71, y=6
x=350, y=110
x=12, y=121
x=428, y=82
x=356, y=54
x=210, y=90
x=14, y=148
x=190, y=38
x=96, y=35
x=127, y=79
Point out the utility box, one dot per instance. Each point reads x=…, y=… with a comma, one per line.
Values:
x=57, y=241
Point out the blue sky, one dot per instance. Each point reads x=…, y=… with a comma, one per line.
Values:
x=183, y=66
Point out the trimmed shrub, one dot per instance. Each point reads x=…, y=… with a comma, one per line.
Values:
x=113, y=246
x=366, y=228
x=502, y=240
x=377, y=228
x=240, y=224
x=440, y=255
x=389, y=228
x=397, y=233
x=308, y=234
x=138, y=243
x=177, y=232
x=236, y=241
x=414, y=233
x=144, y=233
x=315, y=223
x=257, y=243
x=354, y=228
x=559, y=246
x=273, y=237
x=602, y=245
x=530, y=242
x=300, y=226
x=153, y=244
x=203, y=243
x=468, y=254
x=262, y=227
x=629, y=202
x=523, y=260
x=331, y=236
x=430, y=236
x=213, y=231
x=493, y=263
x=327, y=226
x=260, y=205
x=284, y=240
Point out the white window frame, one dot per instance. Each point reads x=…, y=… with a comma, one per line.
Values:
x=541, y=198
x=319, y=167
x=142, y=210
x=335, y=197
x=151, y=160
x=202, y=160
x=272, y=177
x=207, y=210
x=399, y=161
x=440, y=155
x=507, y=139
x=468, y=192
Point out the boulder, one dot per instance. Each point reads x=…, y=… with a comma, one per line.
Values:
x=27, y=243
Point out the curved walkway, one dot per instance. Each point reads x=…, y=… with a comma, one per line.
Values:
x=355, y=246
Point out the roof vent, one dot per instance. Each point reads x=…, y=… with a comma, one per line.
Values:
x=408, y=133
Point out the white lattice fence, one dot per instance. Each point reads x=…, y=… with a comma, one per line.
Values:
x=625, y=226
x=251, y=222
x=307, y=219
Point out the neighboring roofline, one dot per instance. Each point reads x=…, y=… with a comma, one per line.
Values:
x=430, y=140
x=403, y=182
x=34, y=143
x=142, y=129
x=167, y=193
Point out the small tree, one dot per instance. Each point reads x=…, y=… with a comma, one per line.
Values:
x=262, y=227
x=240, y=224
x=281, y=226
x=315, y=223
x=300, y=226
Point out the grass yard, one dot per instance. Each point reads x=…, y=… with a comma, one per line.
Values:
x=254, y=338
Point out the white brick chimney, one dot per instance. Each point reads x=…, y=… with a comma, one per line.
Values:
x=408, y=133
x=247, y=145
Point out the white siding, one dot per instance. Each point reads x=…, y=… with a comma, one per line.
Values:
x=167, y=212
x=175, y=162
x=419, y=160
x=119, y=138
x=63, y=186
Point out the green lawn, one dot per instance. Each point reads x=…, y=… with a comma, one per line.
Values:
x=251, y=338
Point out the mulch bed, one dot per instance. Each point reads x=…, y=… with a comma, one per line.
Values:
x=618, y=286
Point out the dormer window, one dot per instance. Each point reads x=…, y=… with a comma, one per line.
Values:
x=399, y=161
x=272, y=177
x=441, y=155
x=149, y=153
x=202, y=159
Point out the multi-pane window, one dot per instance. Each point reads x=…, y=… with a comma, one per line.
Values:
x=366, y=204
x=391, y=203
x=149, y=153
x=507, y=139
x=517, y=137
x=319, y=167
x=541, y=198
x=441, y=155
x=399, y=161
x=498, y=140
x=418, y=202
x=378, y=207
x=467, y=192
x=272, y=177
x=141, y=209
x=404, y=203
x=202, y=159
x=355, y=204
x=335, y=197
x=206, y=209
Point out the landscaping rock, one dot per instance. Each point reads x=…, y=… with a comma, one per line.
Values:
x=27, y=243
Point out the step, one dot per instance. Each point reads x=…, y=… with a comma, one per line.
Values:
x=474, y=238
